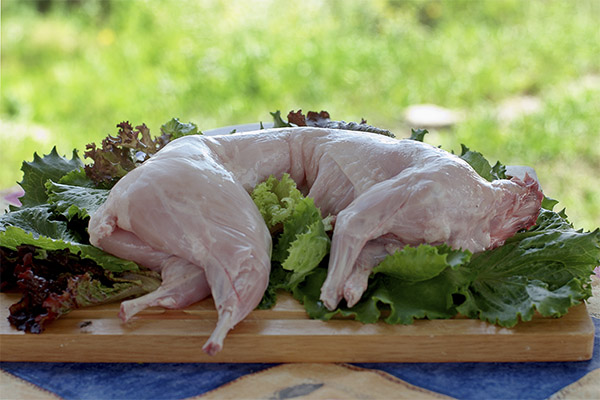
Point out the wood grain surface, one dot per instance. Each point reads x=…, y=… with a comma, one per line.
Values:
x=285, y=334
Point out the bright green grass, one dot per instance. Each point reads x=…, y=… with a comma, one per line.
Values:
x=68, y=77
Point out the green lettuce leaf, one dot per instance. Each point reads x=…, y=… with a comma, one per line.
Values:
x=278, y=280
x=35, y=174
x=58, y=201
x=39, y=221
x=300, y=240
x=475, y=159
x=549, y=203
x=308, y=292
x=547, y=269
x=432, y=298
x=304, y=242
x=12, y=237
x=482, y=166
x=37, y=215
x=418, y=134
x=75, y=201
x=427, y=294
x=78, y=177
x=505, y=300
x=302, y=224
x=276, y=199
x=175, y=129
x=278, y=122
x=415, y=264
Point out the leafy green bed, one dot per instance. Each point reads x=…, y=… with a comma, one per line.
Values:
x=46, y=254
x=546, y=268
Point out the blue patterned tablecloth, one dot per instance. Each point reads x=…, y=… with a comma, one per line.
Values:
x=180, y=381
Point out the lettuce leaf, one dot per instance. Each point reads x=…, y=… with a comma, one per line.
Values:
x=322, y=119
x=175, y=129
x=308, y=292
x=278, y=122
x=482, y=166
x=415, y=264
x=54, y=215
x=49, y=167
x=13, y=237
x=276, y=199
x=300, y=240
x=55, y=282
x=431, y=299
x=475, y=159
x=303, y=243
x=120, y=154
x=547, y=269
x=39, y=221
x=74, y=201
x=418, y=134
x=428, y=294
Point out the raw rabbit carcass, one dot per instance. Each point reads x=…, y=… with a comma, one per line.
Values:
x=187, y=212
x=185, y=215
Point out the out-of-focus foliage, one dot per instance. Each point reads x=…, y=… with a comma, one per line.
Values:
x=69, y=72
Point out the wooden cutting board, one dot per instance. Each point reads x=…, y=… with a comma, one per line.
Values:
x=285, y=334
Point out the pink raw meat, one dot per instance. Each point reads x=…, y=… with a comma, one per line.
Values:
x=188, y=210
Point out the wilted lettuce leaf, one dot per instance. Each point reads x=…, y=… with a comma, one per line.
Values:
x=90, y=292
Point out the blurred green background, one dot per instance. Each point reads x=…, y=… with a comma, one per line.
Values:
x=524, y=76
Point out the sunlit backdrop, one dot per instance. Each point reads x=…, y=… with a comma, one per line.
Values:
x=521, y=79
